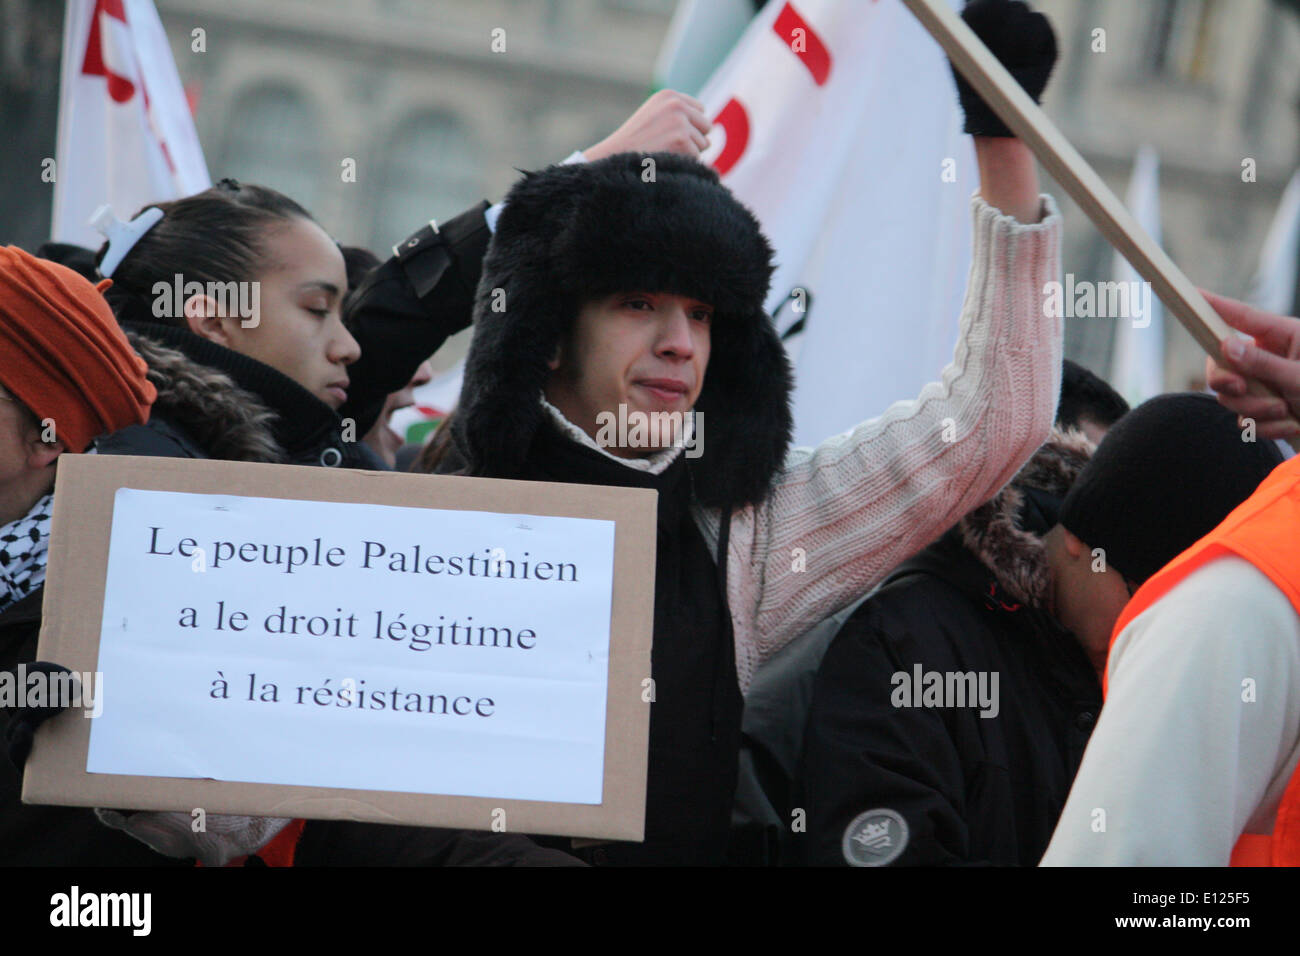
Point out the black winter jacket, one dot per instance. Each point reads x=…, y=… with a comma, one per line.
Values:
x=971, y=789
x=217, y=403
x=695, y=716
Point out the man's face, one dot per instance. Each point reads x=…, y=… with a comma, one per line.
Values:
x=1094, y=430
x=381, y=438
x=1090, y=593
x=13, y=437
x=645, y=351
x=23, y=455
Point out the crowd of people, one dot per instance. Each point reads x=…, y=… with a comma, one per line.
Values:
x=1107, y=589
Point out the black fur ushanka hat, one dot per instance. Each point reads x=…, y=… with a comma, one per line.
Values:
x=586, y=230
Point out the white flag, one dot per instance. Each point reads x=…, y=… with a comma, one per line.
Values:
x=1274, y=285
x=837, y=123
x=1138, y=359
x=699, y=36
x=126, y=136
x=434, y=401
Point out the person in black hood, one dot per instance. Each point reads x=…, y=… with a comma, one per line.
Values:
x=983, y=783
x=620, y=339
x=767, y=825
x=950, y=714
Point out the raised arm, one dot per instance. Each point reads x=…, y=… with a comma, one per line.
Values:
x=860, y=503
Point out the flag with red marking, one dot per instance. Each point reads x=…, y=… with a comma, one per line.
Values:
x=126, y=134
x=838, y=124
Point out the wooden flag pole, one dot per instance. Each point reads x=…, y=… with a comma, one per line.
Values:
x=1027, y=120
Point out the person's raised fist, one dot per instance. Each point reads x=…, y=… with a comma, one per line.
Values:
x=1023, y=41
x=667, y=122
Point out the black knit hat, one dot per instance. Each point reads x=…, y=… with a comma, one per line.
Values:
x=1164, y=476
x=631, y=222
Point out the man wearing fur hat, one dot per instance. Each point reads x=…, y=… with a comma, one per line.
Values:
x=634, y=286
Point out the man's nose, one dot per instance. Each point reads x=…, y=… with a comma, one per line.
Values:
x=675, y=333
x=423, y=375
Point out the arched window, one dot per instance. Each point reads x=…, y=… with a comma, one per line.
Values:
x=272, y=140
x=430, y=170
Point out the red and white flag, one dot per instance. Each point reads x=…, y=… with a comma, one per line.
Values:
x=837, y=122
x=126, y=136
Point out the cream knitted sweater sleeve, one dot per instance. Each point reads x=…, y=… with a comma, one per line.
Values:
x=843, y=514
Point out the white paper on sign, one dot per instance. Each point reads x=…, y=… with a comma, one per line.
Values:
x=359, y=646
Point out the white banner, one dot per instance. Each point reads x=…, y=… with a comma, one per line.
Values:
x=126, y=136
x=1274, y=284
x=1138, y=358
x=838, y=124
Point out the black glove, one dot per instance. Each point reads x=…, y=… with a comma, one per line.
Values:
x=1025, y=44
x=23, y=721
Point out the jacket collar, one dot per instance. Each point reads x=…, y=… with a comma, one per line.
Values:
x=654, y=464
x=554, y=456
x=288, y=416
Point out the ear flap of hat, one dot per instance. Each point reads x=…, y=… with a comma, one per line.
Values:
x=743, y=424
x=517, y=330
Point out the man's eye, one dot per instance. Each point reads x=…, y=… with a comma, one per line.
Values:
x=638, y=304
x=323, y=313
x=702, y=315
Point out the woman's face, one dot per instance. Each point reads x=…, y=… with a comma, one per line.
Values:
x=298, y=326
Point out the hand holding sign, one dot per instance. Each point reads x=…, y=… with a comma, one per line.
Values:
x=25, y=718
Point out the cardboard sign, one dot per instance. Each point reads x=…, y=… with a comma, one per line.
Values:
x=275, y=640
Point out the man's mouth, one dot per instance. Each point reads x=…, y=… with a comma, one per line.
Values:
x=665, y=389
x=338, y=390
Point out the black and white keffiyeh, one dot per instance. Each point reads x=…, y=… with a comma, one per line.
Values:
x=23, y=547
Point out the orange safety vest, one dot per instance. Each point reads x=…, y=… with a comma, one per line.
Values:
x=1264, y=530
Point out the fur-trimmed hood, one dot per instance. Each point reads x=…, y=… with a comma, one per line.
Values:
x=993, y=532
x=632, y=222
x=214, y=402
x=224, y=420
